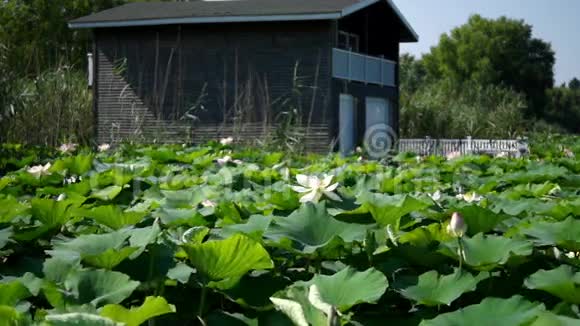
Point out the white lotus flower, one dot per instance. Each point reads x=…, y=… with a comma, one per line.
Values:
x=104, y=147
x=470, y=197
x=71, y=180
x=457, y=226
x=436, y=196
x=67, y=148
x=227, y=141
x=61, y=197
x=228, y=159
x=314, y=188
x=502, y=155
x=568, y=153
x=453, y=155
x=40, y=170
x=208, y=203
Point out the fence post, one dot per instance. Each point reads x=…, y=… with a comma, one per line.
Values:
x=469, y=145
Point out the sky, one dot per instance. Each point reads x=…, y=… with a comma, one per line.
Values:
x=554, y=21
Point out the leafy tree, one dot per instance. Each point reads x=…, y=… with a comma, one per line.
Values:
x=495, y=52
x=574, y=84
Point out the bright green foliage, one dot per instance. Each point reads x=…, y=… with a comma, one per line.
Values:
x=311, y=227
x=350, y=287
x=561, y=282
x=186, y=240
x=152, y=307
x=491, y=311
x=433, y=289
x=486, y=253
x=224, y=262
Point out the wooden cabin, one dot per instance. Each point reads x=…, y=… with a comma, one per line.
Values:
x=201, y=70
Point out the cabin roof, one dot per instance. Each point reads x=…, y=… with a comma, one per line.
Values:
x=219, y=11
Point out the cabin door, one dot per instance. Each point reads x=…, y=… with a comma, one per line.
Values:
x=379, y=136
x=378, y=112
x=346, y=124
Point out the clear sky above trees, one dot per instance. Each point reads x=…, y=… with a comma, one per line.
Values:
x=553, y=21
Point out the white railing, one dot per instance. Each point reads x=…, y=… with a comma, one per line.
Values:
x=363, y=68
x=429, y=146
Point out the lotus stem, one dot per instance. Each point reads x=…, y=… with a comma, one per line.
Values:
x=202, y=304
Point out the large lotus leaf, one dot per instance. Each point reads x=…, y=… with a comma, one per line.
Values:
x=151, y=308
x=100, y=287
x=74, y=165
x=388, y=210
x=491, y=311
x=561, y=282
x=10, y=208
x=224, y=262
x=565, y=234
x=110, y=258
x=536, y=173
x=5, y=235
x=350, y=287
x=418, y=245
x=9, y=316
x=51, y=212
x=551, y=319
x=181, y=216
x=79, y=319
x=112, y=216
x=107, y=194
x=479, y=219
x=89, y=244
x=56, y=269
x=311, y=227
x=186, y=198
x=254, y=227
x=433, y=289
x=485, y=253
x=12, y=292
x=296, y=305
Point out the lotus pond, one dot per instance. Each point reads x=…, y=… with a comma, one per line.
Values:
x=215, y=235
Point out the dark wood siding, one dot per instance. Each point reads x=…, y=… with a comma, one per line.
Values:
x=164, y=83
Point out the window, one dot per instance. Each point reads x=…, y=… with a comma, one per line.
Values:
x=348, y=41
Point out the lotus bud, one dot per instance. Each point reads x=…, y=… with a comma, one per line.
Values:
x=457, y=226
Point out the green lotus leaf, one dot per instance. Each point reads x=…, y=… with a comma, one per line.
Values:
x=254, y=227
x=5, y=235
x=295, y=304
x=74, y=165
x=311, y=228
x=90, y=244
x=551, y=319
x=107, y=194
x=491, y=311
x=12, y=292
x=181, y=216
x=485, y=253
x=11, y=208
x=181, y=273
x=433, y=289
x=9, y=316
x=565, y=234
x=112, y=216
x=350, y=287
x=388, y=210
x=479, y=219
x=53, y=213
x=135, y=316
x=561, y=282
x=56, y=269
x=224, y=262
x=99, y=287
x=79, y=319
x=109, y=259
